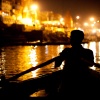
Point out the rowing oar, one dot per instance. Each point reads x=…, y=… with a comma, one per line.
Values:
x=44, y=64
x=33, y=68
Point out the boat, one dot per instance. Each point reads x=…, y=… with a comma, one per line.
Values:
x=27, y=87
x=51, y=82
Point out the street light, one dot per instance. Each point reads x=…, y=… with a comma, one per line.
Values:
x=34, y=10
x=86, y=24
x=91, y=19
x=77, y=17
x=77, y=21
x=34, y=7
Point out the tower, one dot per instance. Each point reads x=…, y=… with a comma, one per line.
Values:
x=68, y=20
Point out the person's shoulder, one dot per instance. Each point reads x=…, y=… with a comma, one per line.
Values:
x=88, y=50
x=65, y=50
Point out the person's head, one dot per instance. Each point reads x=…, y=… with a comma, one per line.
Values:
x=76, y=37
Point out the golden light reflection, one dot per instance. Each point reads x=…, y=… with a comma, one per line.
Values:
x=46, y=49
x=93, y=68
x=33, y=58
x=92, y=46
x=98, y=56
x=22, y=59
x=99, y=49
x=60, y=48
x=26, y=59
x=85, y=45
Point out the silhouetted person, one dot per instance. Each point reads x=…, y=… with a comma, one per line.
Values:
x=77, y=77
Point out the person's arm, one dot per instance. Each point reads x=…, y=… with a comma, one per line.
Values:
x=89, y=58
x=58, y=61
x=61, y=57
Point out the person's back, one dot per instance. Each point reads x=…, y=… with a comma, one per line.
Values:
x=74, y=56
x=74, y=63
x=76, y=71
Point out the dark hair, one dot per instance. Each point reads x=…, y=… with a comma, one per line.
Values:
x=77, y=34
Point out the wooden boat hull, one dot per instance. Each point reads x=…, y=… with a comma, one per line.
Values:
x=30, y=86
x=51, y=83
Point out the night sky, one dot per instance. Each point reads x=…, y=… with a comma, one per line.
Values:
x=83, y=8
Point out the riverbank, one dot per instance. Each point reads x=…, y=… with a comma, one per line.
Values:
x=14, y=36
x=37, y=43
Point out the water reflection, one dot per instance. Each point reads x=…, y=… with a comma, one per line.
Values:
x=15, y=59
x=2, y=62
x=33, y=60
x=94, y=46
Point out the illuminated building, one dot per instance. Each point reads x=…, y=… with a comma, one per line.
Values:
x=68, y=20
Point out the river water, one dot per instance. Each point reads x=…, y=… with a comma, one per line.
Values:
x=16, y=59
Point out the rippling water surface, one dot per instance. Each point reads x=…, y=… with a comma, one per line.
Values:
x=16, y=59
